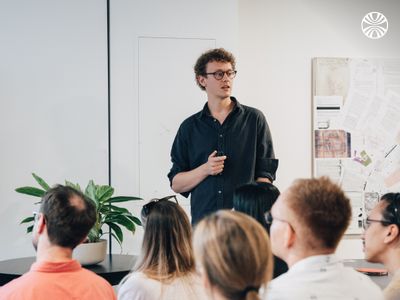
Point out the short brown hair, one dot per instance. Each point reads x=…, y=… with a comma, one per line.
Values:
x=218, y=54
x=68, y=223
x=322, y=207
x=235, y=254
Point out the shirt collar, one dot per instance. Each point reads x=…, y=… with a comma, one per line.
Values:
x=206, y=111
x=65, y=266
x=315, y=262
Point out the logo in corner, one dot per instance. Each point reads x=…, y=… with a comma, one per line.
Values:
x=374, y=25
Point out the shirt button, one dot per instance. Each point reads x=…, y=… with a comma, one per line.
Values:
x=219, y=192
x=220, y=135
x=215, y=120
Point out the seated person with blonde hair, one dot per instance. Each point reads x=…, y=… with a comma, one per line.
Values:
x=381, y=240
x=233, y=255
x=166, y=268
x=308, y=221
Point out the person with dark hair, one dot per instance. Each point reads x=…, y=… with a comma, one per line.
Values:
x=63, y=222
x=256, y=199
x=223, y=146
x=166, y=267
x=233, y=255
x=381, y=240
x=307, y=222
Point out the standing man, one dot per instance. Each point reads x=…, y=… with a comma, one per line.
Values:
x=223, y=146
x=64, y=221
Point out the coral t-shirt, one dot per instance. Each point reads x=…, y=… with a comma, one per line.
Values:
x=58, y=280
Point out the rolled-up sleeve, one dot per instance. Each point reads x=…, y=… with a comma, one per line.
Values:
x=179, y=157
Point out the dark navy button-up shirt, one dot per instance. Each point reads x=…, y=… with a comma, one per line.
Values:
x=244, y=138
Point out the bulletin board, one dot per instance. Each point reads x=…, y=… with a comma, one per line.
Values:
x=356, y=128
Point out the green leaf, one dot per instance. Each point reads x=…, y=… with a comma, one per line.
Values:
x=104, y=193
x=27, y=220
x=73, y=185
x=31, y=191
x=124, y=221
x=135, y=220
x=41, y=182
x=122, y=199
x=29, y=229
x=93, y=235
x=109, y=209
x=90, y=192
x=115, y=237
x=117, y=230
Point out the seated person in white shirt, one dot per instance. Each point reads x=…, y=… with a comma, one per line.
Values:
x=233, y=255
x=381, y=240
x=165, y=269
x=308, y=221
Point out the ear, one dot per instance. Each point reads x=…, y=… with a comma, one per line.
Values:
x=202, y=80
x=289, y=236
x=392, y=234
x=41, y=224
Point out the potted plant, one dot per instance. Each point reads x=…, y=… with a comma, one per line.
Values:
x=107, y=213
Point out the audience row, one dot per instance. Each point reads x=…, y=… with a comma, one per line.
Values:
x=270, y=246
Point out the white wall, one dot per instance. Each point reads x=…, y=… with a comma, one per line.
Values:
x=53, y=109
x=53, y=103
x=278, y=39
x=189, y=24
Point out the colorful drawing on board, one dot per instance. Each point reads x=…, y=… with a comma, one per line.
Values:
x=332, y=144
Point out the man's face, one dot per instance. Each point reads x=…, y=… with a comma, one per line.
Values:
x=374, y=234
x=280, y=228
x=215, y=88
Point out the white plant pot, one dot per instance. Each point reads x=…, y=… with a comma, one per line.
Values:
x=90, y=253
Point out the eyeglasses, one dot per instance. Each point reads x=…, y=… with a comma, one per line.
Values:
x=149, y=206
x=220, y=74
x=367, y=222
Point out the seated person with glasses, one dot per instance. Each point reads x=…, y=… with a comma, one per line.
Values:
x=63, y=222
x=307, y=222
x=223, y=146
x=381, y=239
x=233, y=255
x=256, y=199
x=166, y=267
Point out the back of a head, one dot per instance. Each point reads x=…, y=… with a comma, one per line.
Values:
x=322, y=210
x=255, y=199
x=166, y=250
x=234, y=253
x=68, y=214
x=391, y=212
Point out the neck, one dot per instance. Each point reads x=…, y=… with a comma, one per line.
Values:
x=52, y=253
x=297, y=256
x=220, y=105
x=391, y=260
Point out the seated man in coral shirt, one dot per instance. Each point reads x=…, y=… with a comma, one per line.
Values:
x=63, y=222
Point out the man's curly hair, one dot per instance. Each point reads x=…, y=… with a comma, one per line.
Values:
x=218, y=54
